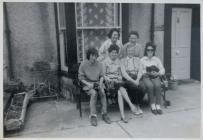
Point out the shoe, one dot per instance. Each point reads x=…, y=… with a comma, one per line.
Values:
x=93, y=120
x=140, y=111
x=159, y=111
x=124, y=120
x=154, y=111
x=106, y=118
x=136, y=113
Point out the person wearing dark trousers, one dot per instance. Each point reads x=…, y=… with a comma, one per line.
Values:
x=151, y=69
x=91, y=76
x=131, y=65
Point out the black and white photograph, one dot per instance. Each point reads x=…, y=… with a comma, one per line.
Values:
x=101, y=69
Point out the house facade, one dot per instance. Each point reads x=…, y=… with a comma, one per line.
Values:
x=60, y=33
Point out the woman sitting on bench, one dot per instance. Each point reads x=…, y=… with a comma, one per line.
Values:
x=151, y=69
x=131, y=65
x=113, y=79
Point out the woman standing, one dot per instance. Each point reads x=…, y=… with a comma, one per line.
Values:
x=113, y=38
x=151, y=69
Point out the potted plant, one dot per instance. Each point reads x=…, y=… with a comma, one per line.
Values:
x=172, y=83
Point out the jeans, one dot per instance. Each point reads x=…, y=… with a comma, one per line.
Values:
x=153, y=87
x=93, y=101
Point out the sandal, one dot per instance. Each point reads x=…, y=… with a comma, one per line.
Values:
x=124, y=120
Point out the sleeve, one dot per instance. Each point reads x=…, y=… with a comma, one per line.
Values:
x=102, y=51
x=101, y=70
x=81, y=74
x=138, y=64
x=141, y=51
x=122, y=63
x=123, y=51
x=142, y=69
x=104, y=67
x=161, y=68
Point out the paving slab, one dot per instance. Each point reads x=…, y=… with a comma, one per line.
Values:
x=101, y=131
x=183, y=124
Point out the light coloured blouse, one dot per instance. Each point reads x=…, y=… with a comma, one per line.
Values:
x=131, y=65
x=103, y=50
x=112, y=69
x=138, y=50
x=147, y=62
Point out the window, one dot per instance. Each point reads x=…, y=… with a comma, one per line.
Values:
x=92, y=22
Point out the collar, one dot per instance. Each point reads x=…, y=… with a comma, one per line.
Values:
x=129, y=58
x=117, y=42
x=147, y=58
x=111, y=61
x=93, y=63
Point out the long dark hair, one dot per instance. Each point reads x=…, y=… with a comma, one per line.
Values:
x=147, y=45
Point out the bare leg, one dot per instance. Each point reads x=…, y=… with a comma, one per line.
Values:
x=127, y=99
x=120, y=103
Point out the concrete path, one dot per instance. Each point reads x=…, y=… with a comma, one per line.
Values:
x=61, y=119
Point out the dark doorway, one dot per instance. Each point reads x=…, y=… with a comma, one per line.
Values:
x=125, y=22
x=71, y=47
x=195, y=45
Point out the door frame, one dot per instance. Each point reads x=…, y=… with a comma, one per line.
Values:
x=168, y=31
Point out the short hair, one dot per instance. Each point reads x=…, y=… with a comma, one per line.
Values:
x=134, y=33
x=92, y=51
x=147, y=45
x=111, y=32
x=113, y=47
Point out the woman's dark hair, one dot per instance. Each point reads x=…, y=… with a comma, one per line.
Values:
x=134, y=33
x=111, y=32
x=147, y=45
x=113, y=47
x=92, y=51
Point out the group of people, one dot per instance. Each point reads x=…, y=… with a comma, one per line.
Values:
x=124, y=72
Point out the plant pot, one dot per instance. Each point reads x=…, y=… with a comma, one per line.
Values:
x=173, y=84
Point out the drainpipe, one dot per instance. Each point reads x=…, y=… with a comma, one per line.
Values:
x=8, y=39
x=152, y=24
x=58, y=45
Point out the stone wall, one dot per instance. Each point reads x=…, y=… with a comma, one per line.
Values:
x=6, y=76
x=33, y=37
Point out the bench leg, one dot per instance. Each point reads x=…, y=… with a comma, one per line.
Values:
x=79, y=105
x=166, y=102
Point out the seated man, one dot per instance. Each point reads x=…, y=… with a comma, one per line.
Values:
x=113, y=79
x=91, y=76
